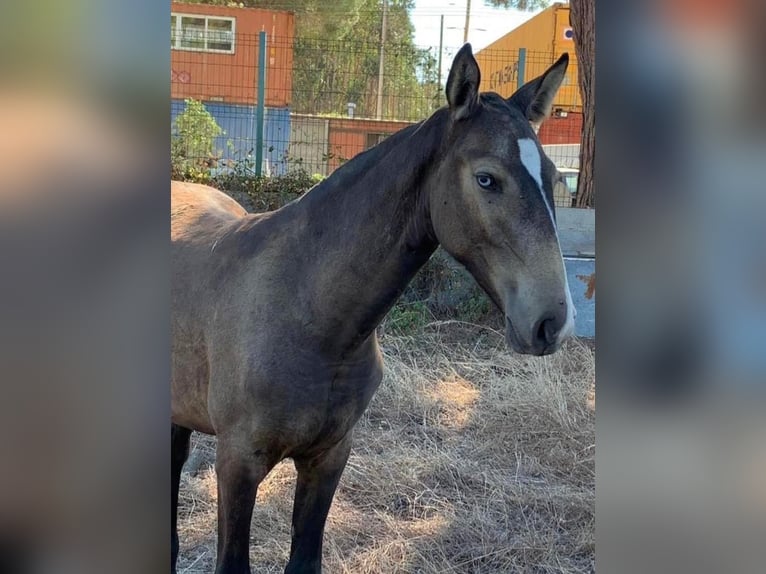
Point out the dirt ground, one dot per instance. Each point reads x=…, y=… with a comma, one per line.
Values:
x=470, y=459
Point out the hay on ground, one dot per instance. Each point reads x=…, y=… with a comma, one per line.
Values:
x=470, y=459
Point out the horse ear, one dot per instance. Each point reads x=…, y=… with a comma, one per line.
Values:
x=535, y=98
x=463, y=83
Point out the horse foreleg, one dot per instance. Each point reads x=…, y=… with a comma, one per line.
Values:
x=240, y=470
x=179, y=452
x=318, y=478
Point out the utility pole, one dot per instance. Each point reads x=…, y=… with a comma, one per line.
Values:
x=441, y=49
x=467, y=20
x=379, y=111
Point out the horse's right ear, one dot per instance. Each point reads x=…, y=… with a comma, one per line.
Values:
x=535, y=98
x=463, y=83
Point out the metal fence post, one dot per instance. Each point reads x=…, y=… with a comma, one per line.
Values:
x=261, y=105
x=521, y=69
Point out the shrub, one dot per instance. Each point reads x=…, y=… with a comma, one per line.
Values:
x=192, y=149
x=263, y=193
x=448, y=291
x=407, y=318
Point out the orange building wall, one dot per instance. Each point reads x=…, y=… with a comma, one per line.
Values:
x=348, y=136
x=544, y=39
x=566, y=130
x=233, y=78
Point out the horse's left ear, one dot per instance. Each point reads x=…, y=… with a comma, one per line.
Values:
x=463, y=83
x=535, y=98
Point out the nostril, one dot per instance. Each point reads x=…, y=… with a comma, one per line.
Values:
x=547, y=331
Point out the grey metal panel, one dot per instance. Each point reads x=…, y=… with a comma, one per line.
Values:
x=308, y=143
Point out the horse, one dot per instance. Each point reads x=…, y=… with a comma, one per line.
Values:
x=274, y=316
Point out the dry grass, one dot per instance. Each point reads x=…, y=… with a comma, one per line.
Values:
x=470, y=459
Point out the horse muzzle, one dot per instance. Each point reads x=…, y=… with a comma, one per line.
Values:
x=544, y=337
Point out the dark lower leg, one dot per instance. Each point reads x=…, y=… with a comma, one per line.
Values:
x=317, y=480
x=239, y=473
x=179, y=452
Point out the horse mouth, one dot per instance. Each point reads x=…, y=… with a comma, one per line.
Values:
x=512, y=338
x=517, y=344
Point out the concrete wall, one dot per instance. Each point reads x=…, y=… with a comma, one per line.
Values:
x=308, y=142
x=577, y=231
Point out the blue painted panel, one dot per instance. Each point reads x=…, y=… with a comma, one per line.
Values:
x=581, y=274
x=277, y=137
x=238, y=124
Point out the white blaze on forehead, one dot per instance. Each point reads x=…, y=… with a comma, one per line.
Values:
x=531, y=160
x=533, y=163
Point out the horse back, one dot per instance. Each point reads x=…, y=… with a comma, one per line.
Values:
x=198, y=210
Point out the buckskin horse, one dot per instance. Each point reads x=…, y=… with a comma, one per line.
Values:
x=274, y=315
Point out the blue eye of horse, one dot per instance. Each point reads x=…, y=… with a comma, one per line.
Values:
x=485, y=181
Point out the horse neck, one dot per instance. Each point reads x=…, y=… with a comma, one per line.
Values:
x=370, y=231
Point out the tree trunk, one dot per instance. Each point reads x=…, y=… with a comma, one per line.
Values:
x=582, y=17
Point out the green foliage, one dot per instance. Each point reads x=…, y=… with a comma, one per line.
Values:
x=475, y=308
x=192, y=149
x=336, y=55
x=441, y=290
x=295, y=182
x=407, y=318
x=528, y=5
x=240, y=176
x=340, y=59
x=263, y=193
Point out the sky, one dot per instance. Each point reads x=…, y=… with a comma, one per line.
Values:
x=485, y=26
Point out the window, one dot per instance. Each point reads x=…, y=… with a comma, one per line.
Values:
x=374, y=139
x=571, y=180
x=202, y=33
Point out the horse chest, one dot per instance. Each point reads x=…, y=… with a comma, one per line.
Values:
x=347, y=401
x=338, y=402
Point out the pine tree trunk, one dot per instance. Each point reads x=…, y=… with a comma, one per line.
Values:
x=582, y=17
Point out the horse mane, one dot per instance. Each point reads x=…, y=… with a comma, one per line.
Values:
x=371, y=162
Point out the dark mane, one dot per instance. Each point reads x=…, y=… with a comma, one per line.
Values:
x=390, y=160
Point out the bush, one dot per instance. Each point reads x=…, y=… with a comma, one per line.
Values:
x=295, y=182
x=448, y=292
x=192, y=152
x=406, y=318
x=263, y=193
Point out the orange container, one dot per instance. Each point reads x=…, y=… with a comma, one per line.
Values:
x=545, y=37
x=351, y=136
x=216, y=59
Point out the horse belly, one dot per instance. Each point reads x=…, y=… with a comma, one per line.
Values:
x=189, y=387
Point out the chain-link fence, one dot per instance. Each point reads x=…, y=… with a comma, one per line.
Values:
x=271, y=105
